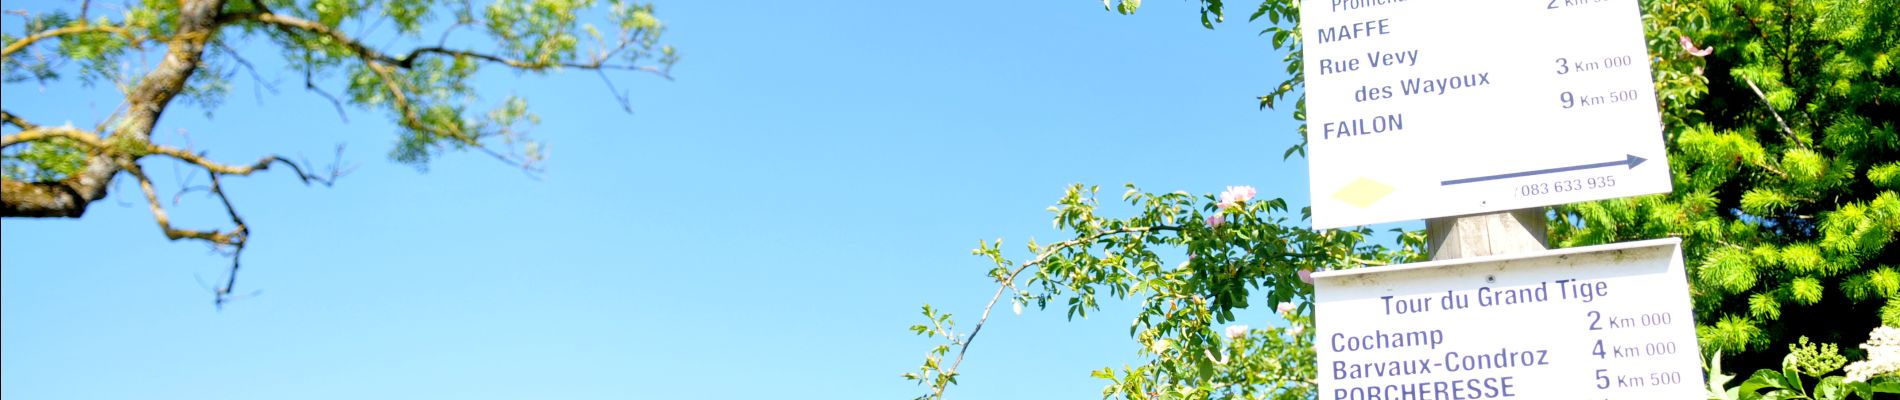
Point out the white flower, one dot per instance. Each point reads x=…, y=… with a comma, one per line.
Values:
x=1236, y=331
x=1234, y=195
x=1883, y=356
x=1296, y=330
x=1287, y=307
x=1160, y=345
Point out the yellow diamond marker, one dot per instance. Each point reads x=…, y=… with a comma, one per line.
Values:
x=1363, y=192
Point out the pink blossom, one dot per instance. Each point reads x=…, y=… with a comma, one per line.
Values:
x=1234, y=195
x=1287, y=307
x=1306, y=275
x=1215, y=221
x=1296, y=330
x=1689, y=46
x=1236, y=331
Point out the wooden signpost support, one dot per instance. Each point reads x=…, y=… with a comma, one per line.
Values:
x=1515, y=231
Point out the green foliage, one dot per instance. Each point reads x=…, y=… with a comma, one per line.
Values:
x=1788, y=229
x=1231, y=257
x=424, y=87
x=1814, y=359
x=933, y=371
x=47, y=160
x=1806, y=362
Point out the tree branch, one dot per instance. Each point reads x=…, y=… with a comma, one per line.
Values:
x=52, y=33
x=222, y=238
x=140, y=149
x=1006, y=282
x=15, y=120
x=412, y=120
x=310, y=84
x=145, y=102
x=408, y=61
x=1777, y=114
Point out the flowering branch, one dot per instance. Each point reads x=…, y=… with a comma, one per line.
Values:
x=1234, y=247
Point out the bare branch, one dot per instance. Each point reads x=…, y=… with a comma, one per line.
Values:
x=309, y=84
x=232, y=237
x=1771, y=110
x=618, y=95
x=237, y=254
x=255, y=77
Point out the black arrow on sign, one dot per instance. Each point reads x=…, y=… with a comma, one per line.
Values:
x=1632, y=161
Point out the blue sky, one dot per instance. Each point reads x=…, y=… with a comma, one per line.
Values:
x=766, y=225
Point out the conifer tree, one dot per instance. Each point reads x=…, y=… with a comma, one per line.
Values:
x=1780, y=120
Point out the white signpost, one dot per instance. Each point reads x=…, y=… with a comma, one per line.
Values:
x=1600, y=322
x=1430, y=108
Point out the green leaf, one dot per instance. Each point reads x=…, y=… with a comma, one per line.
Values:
x=1717, y=379
x=1790, y=376
x=1764, y=379
x=1888, y=386
x=1831, y=387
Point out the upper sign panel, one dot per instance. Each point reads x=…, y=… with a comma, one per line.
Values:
x=1429, y=108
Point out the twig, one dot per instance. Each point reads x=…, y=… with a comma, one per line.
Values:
x=309, y=83
x=255, y=77
x=164, y=220
x=622, y=97
x=237, y=254
x=1771, y=110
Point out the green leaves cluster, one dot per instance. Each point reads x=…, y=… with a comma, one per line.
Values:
x=1806, y=362
x=933, y=371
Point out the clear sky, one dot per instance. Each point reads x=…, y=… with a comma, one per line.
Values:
x=765, y=226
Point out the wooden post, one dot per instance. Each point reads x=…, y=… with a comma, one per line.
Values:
x=1514, y=231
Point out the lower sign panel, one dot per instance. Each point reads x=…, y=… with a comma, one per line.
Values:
x=1600, y=322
